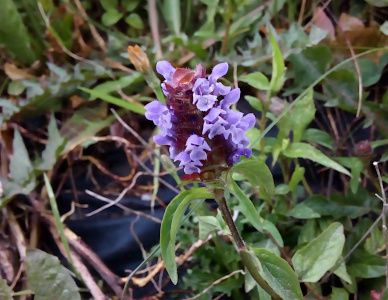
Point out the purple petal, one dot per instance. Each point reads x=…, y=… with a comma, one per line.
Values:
x=235, y=156
x=173, y=152
x=184, y=156
x=165, y=69
x=247, y=122
x=198, y=154
x=162, y=139
x=237, y=134
x=213, y=114
x=205, y=102
x=156, y=107
x=194, y=140
x=218, y=71
x=233, y=117
x=221, y=89
x=215, y=129
x=232, y=97
x=191, y=168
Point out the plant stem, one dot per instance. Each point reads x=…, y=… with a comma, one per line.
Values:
x=242, y=249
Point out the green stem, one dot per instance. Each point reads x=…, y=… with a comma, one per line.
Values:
x=241, y=248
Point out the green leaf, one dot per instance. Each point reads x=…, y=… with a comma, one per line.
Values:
x=54, y=147
x=116, y=101
x=207, y=225
x=302, y=211
x=339, y=294
x=318, y=256
x=109, y=4
x=269, y=227
x=170, y=224
x=172, y=13
x=278, y=274
x=48, y=279
x=277, y=79
x=111, y=17
x=258, y=80
x=5, y=290
x=296, y=178
x=20, y=165
x=362, y=264
x=302, y=115
x=304, y=150
x=320, y=137
x=110, y=86
x=14, y=35
x=341, y=271
x=356, y=166
x=255, y=103
x=135, y=21
x=256, y=172
x=247, y=207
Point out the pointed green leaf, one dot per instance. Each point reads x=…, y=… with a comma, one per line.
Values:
x=302, y=115
x=278, y=274
x=14, y=37
x=170, y=225
x=48, y=279
x=247, y=207
x=258, y=80
x=53, y=148
x=304, y=150
x=5, y=290
x=20, y=165
x=257, y=173
x=114, y=100
x=277, y=79
x=313, y=260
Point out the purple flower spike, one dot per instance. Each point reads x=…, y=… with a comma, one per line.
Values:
x=165, y=69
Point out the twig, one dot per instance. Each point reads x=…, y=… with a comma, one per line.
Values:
x=215, y=283
x=383, y=198
x=153, y=16
x=111, y=279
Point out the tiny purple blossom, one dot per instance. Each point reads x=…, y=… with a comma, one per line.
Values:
x=235, y=156
x=201, y=94
x=231, y=98
x=160, y=115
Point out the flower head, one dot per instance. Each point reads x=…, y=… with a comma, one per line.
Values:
x=198, y=123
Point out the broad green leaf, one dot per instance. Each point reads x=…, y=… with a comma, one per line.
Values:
x=114, y=100
x=277, y=79
x=135, y=21
x=14, y=37
x=247, y=207
x=48, y=279
x=278, y=274
x=318, y=256
x=339, y=294
x=256, y=172
x=5, y=290
x=53, y=148
x=304, y=150
x=310, y=64
x=207, y=225
x=258, y=80
x=302, y=115
x=302, y=211
x=320, y=137
x=362, y=264
x=111, y=17
x=341, y=271
x=172, y=217
x=20, y=165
